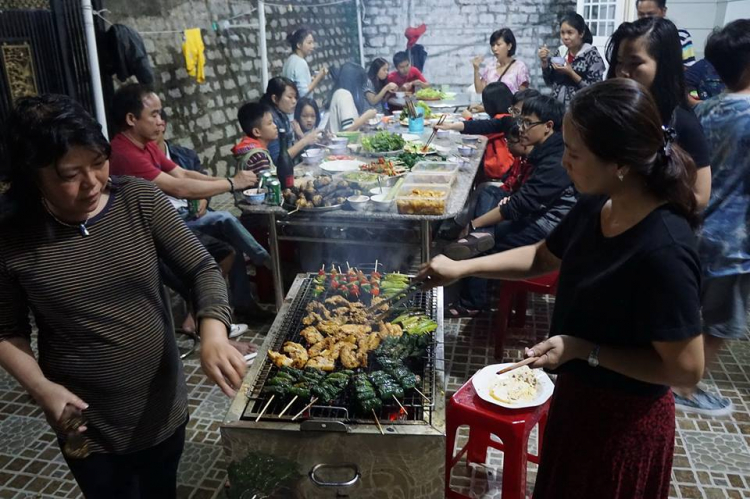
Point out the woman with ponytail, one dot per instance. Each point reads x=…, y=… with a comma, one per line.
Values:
x=576, y=64
x=296, y=67
x=626, y=324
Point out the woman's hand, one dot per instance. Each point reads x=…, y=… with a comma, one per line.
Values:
x=311, y=138
x=219, y=359
x=391, y=87
x=543, y=53
x=369, y=114
x=440, y=271
x=297, y=130
x=53, y=399
x=458, y=127
x=565, y=69
x=558, y=350
x=477, y=62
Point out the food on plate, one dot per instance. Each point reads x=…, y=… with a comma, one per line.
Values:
x=339, y=157
x=383, y=166
x=422, y=202
x=409, y=159
x=429, y=94
x=383, y=142
x=318, y=193
x=518, y=385
x=361, y=180
x=418, y=148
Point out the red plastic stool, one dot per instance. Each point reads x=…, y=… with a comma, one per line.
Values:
x=513, y=426
x=512, y=304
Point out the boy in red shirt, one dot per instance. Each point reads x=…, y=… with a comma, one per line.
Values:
x=407, y=77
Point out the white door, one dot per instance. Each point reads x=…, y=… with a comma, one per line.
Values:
x=602, y=18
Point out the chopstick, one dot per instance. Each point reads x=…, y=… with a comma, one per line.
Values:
x=524, y=362
x=265, y=407
x=401, y=406
x=315, y=399
x=433, y=134
x=422, y=394
x=377, y=422
x=288, y=406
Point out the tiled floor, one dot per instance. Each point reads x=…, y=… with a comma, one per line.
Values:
x=712, y=455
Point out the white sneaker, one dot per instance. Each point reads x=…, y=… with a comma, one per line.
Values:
x=237, y=330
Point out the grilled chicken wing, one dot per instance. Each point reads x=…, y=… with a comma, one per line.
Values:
x=279, y=359
x=369, y=342
x=320, y=346
x=297, y=353
x=355, y=329
x=387, y=329
x=337, y=300
x=322, y=363
x=311, y=335
x=349, y=356
x=379, y=299
x=312, y=318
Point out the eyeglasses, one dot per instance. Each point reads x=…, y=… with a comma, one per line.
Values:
x=526, y=124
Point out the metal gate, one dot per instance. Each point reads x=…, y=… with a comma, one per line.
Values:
x=42, y=50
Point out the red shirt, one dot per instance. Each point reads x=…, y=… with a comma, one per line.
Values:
x=129, y=159
x=414, y=74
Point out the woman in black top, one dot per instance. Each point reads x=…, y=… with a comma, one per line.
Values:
x=80, y=251
x=626, y=323
x=649, y=51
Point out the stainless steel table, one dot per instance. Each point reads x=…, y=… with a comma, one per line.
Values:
x=369, y=218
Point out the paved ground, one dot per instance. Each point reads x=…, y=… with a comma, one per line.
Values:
x=712, y=456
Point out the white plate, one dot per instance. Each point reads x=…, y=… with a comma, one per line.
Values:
x=410, y=137
x=341, y=165
x=485, y=378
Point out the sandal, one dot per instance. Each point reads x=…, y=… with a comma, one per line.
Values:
x=474, y=246
x=457, y=311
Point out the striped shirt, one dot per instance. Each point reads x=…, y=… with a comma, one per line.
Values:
x=104, y=330
x=688, y=52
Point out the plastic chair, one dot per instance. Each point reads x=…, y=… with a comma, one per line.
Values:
x=512, y=304
x=512, y=426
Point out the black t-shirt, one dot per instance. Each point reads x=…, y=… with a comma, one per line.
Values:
x=625, y=291
x=690, y=136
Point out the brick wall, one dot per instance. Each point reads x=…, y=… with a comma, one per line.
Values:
x=203, y=116
x=451, y=24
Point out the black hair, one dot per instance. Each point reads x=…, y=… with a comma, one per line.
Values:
x=524, y=94
x=298, y=36
x=497, y=98
x=507, y=35
x=351, y=77
x=399, y=57
x=619, y=122
x=546, y=108
x=250, y=116
x=372, y=73
x=728, y=50
x=128, y=100
x=276, y=87
x=663, y=45
x=576, y=21
x=662, y=4
x=307, y=101
x=40, y=131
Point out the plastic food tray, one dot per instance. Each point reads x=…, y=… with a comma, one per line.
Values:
x=410, y=202
x=433, y=172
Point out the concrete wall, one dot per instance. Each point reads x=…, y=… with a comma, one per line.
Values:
x=701, y=17
x=203, y=116
x=457, y=30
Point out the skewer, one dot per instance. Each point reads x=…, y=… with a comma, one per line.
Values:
x=288, y=405
x=315, y=399
x=340, y=271
x=401, y=406
x=265, y=407
x=376, y=265
x=377, y=422
x=422, y=394
x=348, y=267
x=525, y=362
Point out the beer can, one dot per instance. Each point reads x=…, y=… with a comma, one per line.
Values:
x=274, y=192
x=193, y=205
x=265, y=178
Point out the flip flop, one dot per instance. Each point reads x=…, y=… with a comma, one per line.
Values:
x=457, y=311
x=474, y=246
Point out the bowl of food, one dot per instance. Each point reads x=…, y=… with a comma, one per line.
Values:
x=352, y=136
x=469, y=139
x=312, y=156
x=443, y=134
x=465, y=151
x=354, y=148
x=254, y=196
x=378, y=190
x=337, y=149
x=380, y=203
x=358, y=203
x=339, y=141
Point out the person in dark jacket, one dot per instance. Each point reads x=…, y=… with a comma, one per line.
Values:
x=125, y=55
x=528, y=215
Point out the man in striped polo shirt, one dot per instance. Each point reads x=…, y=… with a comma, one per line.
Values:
x=658, y=8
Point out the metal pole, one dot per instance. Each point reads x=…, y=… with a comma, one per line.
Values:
x=96, y=79
x=273, y=243
x=426, y=240
x=359, y=33
x=263, y=48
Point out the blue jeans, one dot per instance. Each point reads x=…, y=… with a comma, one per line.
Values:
x=226, y=227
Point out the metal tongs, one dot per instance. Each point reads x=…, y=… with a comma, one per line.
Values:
x=404, y=294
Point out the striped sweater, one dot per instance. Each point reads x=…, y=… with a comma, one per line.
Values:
x=104, y=331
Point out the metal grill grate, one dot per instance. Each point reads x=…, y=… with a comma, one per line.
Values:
x=419, y=411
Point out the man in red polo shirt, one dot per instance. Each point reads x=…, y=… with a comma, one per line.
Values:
x=407, y=77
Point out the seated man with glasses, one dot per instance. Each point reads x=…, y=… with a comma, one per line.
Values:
x=529, y=214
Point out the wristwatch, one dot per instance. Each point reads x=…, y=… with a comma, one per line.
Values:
x=594, y=356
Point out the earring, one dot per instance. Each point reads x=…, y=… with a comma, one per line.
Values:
x=621, y=176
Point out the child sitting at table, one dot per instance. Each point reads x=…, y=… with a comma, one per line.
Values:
x=251, y=153
x=306, y=117
x=407, y=77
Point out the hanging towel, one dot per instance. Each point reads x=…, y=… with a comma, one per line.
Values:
x=195, y=59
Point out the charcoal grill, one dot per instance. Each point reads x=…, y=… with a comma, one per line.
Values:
x=331, y=451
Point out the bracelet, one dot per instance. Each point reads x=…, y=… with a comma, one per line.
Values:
x=231, y=184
